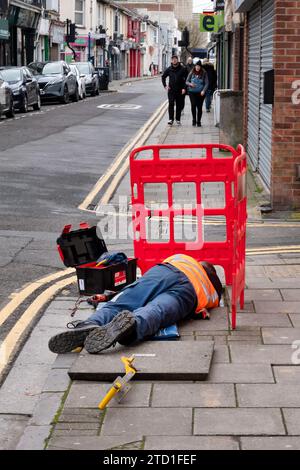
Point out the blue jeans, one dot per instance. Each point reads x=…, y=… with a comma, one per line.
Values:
x=208, y=99
x=160, y=298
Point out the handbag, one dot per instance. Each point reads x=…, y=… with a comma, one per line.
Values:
x=199, y=82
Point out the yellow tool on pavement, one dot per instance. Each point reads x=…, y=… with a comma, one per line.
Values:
x=120, y=385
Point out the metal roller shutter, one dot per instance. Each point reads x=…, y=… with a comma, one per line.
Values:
x=266, y=110
x=254, y=84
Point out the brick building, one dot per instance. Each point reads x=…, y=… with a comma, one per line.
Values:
x=265, y=58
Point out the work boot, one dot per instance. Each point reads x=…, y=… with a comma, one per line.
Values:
x=120, y=329
x=73, y=338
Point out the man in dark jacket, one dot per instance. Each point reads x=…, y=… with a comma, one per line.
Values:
x=212, y=79
x=176, y=88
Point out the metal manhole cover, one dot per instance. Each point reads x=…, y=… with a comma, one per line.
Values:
x=119, y=106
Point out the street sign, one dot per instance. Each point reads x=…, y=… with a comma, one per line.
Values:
x=211, y=23
x=128, y=107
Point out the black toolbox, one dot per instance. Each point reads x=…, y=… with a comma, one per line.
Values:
x=81, y=249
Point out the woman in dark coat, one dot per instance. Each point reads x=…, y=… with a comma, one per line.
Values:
x=197, y=85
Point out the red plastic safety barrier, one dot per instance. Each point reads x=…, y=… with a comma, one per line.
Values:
x=149, y=166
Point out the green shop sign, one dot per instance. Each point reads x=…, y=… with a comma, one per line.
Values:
x=211, y=23
x=4, y=31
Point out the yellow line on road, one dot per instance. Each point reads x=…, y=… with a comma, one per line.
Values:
x=120, y=157
x=10, y=342
x=274, y=248
x=27, y=291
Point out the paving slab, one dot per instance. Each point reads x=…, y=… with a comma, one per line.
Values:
x=262, y=294
x=287, y=374
x=218, y=321
x=64, y=361
x=79, y=416
x=193, y=395
x=290, y=294
x=248, y=320
x=277, y=307
x=240, y=373
x=22, y=387
x=280, y=335
x=268, y=395
x=238, y=421
x=267, y=283
x=221, y=354
x=89, y=395
x=171, y=360
x=11, y=430
x=123, y=442
x=295, y=319
x=148, y=421
x=270, y=443
x=191, y=443
x=46, y=408
x=34, y=438
x=261, y=354
x=57, y=381
x=292, y=420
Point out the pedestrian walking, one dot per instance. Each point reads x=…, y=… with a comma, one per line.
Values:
x=189, y=67
x=151, y=69
x=176, y=88
x=212, y=83
x=177, y=289
x=197, y=83
x=189, y=64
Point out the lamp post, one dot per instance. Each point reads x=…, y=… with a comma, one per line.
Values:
x=159, y=37
x=89, y=46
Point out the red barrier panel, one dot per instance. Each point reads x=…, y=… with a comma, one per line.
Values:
x=149, y=166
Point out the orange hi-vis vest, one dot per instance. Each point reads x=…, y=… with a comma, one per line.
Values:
x=206, y=294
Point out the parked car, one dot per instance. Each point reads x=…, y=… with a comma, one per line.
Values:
x=24, y=87
x=6, y=99
x=80, y=81
x=91, y=77
x=56, y=81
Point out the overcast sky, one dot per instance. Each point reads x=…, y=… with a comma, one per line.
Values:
x=200, y=5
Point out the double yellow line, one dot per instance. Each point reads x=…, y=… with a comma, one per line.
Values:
x=273, y=250
x=10, y=343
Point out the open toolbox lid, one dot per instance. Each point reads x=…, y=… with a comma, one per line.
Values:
x=81, y=246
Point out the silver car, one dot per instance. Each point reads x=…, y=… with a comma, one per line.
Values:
x=6, y=99
x=80, y=81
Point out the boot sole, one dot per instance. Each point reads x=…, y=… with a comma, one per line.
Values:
x=107, y=335
x=69, y=340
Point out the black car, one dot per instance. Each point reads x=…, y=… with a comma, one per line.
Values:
x=87, y=70
x=6, y=100
x=56, y=81
x=24, y=87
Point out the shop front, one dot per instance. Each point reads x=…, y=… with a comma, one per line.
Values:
x=23, y=22
x=57, y=37
x=4, y=41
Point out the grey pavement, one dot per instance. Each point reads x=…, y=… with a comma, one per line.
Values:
x=249, y=401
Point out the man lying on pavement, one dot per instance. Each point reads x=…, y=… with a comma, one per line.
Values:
x=177, y=289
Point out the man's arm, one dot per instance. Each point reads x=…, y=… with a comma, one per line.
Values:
x=164, y=77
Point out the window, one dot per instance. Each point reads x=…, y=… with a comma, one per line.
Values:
x=79, y=12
